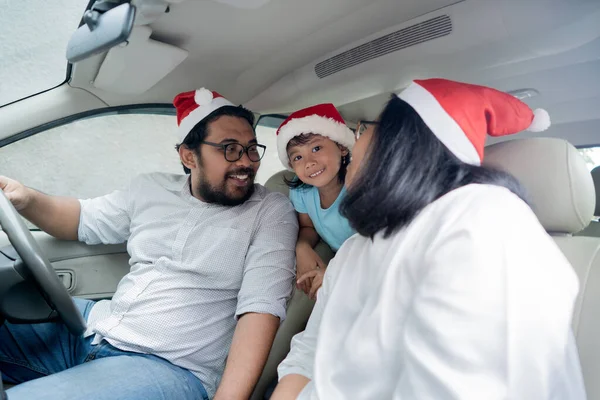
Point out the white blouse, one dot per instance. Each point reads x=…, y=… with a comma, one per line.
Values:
x=473, y=300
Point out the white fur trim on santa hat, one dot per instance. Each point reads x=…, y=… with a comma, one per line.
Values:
x=189, y=122
x=441, y=123
x=328, y=127
x=540, y=122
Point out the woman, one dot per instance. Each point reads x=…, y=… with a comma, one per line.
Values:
x=452, y=289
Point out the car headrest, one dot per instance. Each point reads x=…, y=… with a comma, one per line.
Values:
x=276, y=182
x=596, y=179
x=554, y=176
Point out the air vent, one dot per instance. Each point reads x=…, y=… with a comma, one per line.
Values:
x=422, y=32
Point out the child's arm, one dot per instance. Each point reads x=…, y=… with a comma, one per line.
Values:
x=307, y=236
x=306, y=258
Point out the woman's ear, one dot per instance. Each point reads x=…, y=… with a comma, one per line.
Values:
x=187, y=157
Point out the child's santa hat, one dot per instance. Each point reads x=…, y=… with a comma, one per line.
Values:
x=192, y=107
x=322, y=119
x=460, y=114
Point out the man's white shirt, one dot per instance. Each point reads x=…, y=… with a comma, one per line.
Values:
x=194, y=268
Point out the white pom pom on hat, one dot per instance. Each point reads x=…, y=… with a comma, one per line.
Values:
x=203, y=96
x=541, y=121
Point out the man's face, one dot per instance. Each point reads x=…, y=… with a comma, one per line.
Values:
x=216, y=180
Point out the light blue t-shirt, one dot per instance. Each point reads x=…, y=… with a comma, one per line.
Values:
x=329, y=224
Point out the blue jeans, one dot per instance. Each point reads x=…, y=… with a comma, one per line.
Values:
x=54, y=365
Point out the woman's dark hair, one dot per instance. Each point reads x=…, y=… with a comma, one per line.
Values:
x=405, y=169
x=302, y=139
x=200, y=131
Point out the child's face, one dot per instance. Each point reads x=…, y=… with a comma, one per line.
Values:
x=316, y=162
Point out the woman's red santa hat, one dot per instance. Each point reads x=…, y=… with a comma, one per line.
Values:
x=322, y=119
x=192, y=107
x=460, y=115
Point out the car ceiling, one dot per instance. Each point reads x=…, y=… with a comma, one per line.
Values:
x=240, y=52
x=264, y=55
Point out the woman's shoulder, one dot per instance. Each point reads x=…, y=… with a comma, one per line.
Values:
x=475, y=197
x=482, y=206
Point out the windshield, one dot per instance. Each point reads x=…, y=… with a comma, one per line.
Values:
x=32, y=51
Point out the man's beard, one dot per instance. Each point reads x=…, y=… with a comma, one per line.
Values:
x=219, y=194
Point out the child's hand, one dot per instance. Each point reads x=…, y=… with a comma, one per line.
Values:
x=316, y=277
x=307, y=260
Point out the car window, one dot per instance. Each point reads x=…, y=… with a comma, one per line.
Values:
x=32, y=57
x=266, y=133
x=94, y=156
x=591, y=155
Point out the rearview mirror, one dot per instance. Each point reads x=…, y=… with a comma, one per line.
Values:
x=105, y=27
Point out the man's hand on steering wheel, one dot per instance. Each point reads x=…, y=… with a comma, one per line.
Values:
x=18, y=194
x=15, y=196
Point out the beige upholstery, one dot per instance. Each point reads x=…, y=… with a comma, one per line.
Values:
x=562, y=194
x=556, y=179
x=298, y=310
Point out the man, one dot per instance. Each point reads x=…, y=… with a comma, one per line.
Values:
x=206, y=249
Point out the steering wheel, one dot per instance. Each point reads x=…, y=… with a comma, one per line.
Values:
x=38, y=265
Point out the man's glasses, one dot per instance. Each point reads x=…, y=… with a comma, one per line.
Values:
x=235, y=151
x=362, y=126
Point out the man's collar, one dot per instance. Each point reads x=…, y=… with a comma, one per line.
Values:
x=171, y=182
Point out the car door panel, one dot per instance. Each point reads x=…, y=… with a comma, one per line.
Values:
x=87, y=271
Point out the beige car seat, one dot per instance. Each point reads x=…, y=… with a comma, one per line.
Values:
x=298, y=310
x=561, y=193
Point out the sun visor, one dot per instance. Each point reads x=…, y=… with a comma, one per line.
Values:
x=135, y=67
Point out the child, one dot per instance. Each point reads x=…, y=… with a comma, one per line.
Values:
x=315, y=142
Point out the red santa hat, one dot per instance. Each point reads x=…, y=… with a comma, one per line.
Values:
x=322, y=119
x=192, y=107
x=460, y=114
